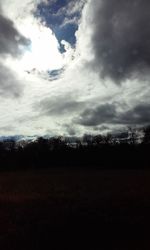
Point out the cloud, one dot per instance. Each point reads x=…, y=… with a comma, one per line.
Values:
x=70, y=8
x=102, y=114
x=58, y=106
x=68, y=20
x=9, y=84
x=75, y=6
x=138, y=115
x=108, y=114
x=72, y=90
x=11, y=41
x=71, y=12
x=7, y=128
x=120, y=38
x=71, y=130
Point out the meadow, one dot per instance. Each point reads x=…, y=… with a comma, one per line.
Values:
x=74, y=209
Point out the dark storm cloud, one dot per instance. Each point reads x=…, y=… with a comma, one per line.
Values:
x=138, y=115
x=9, y=85
x=60, y=105
x=108, y=114
x=11, y=41
x=105, y=113
x=121, y=37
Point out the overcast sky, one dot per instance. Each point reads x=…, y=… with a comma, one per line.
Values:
x=74, y=67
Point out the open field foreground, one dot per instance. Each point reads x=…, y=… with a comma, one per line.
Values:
x=75, y=209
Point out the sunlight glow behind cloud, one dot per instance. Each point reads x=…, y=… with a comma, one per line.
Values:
x=44, y=52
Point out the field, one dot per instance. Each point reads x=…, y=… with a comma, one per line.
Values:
x=74, y=209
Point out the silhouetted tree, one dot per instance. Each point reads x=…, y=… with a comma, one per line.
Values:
x=132, y=136
x=78, y=144
x=146, y=137
x=108, y=140
x=88, y=139
x=10, y=145
x=57, y=143
x=99, y=150
x=98, y=140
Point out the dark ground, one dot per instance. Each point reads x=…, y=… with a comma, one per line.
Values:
x=75, y=209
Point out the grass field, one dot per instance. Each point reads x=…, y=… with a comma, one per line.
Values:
x=74, y=209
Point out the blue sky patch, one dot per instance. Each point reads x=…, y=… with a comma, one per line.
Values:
x=55, y=74
x=50, y=14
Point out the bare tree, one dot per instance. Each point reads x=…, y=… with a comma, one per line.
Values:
x=132, y=135
x=146, y=138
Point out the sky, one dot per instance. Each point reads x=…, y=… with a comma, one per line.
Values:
x=74, y=67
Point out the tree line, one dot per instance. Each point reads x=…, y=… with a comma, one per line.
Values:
x=130, y=150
